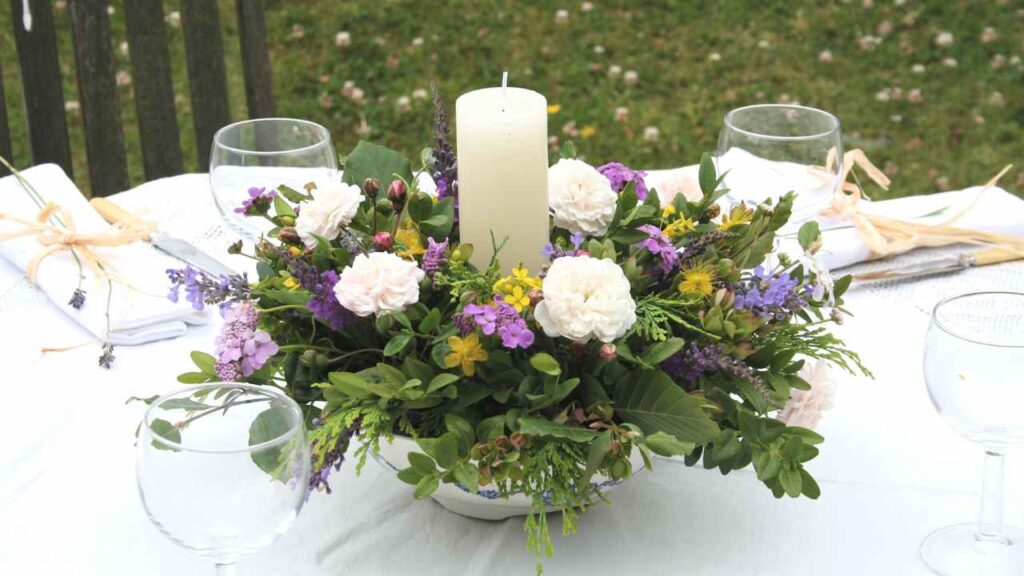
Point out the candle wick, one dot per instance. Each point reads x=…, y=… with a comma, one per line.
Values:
x=504, y=91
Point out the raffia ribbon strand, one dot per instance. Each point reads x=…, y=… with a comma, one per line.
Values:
x=56, y=239
x=886, y=236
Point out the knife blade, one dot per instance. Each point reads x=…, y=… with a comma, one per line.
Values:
x=941, y=265
x=176, y=247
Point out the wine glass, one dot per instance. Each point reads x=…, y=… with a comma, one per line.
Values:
x=223, y=469
x=767, y=150
x=972, y=359
x=265, y=153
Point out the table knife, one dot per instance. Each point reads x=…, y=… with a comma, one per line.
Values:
x=941, y=265
x=176, y=247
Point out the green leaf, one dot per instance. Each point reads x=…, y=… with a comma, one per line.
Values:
x=410, y=476
x=166, y=431
x=706, y=175
x=652, y=401
x=375, y=161
x=430, y=321
x=184, y=404
x=422, y=463
x=840, y=286
x=809, y=233
x=441, y=380
x=297, y=297
x=629, y=236
x=808, y=436
x=446, y=451
x=662, y=350
x=468, y=476
x=194, y=377
x=350, y=384
x=462, y=430
x=291, y=194
x=490, y=428
x=268, y=425
x=667, y=445
x=417, y=369
x=426, y=486
x=532, y=426
x=791, y=481
x=808, y=485
x=596, y=455
x=397, y=343
x=544, y=362
x=204, y=362
x=420, y=207
x=282, y=207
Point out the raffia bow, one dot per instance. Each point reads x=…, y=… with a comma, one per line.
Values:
x=55, y=239
x=886, y=236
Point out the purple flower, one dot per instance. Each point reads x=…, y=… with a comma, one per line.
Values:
x=77, y=299
x=435, y=256
x=660, y=246
x=619, y=175
x=486, y=317
x=500, y=318
x=552, y=252
x=331, y=458
x=769, y=296
x=324, y=304
x=202, y=289
x=242, y=348
x=107, y=357
x=258, y=203
x=692, y=362
x=516, y=335
x=446, y=171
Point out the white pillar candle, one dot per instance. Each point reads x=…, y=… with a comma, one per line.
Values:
x=502, y=140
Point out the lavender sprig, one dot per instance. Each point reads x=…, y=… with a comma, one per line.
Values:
x=446, y=173
x=693, y=362
x=202, y=289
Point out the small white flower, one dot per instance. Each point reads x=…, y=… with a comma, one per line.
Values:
x=917, y=68
x=764, y=44
x=581, y=198
x=944, y=39
x=998, y=61
x=883, y=95
x=417, y=42
x=896, y=118
x=364, y=129
x=123, y=48
x=111, y=10
x=403, y=103
x=332, y=208
x=379, y=282
x=585, y=298
x=651, y=133
x=884, y=28
x=60, y=4
x=621, y=114
x=825, y=57
x=298, y=31
x=914, y=95
x=123, y=78
x=806, y=407
x=419, y=94
x=996, y=99
x=868, y=42
x=570, y=130
x=630, y=78
x=714, y=57
x=979, y=119
x=942, y=183
x=72, y=106
x=342, y=39
x=562, y=16
x=357, y=95
x=949, y=62
x=173, y=18
x=586, y=7
x=614, y=71
x=989, y=35
x=1014, y=60
x=598, y=49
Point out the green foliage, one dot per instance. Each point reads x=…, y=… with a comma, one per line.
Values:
x=652, y=401
x=370, y=160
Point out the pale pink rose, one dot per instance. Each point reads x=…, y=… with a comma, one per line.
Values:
x=805, y=407
x=378, y=282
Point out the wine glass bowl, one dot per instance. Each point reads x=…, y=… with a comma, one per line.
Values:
x=265, y=153
x=223, y=469
x=767, y=150
x=973, y=353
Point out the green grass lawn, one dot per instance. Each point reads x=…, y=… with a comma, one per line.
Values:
x=934, y=114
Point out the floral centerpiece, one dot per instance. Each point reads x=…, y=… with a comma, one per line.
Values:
x=658, y=327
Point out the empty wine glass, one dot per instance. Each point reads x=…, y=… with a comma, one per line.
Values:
x=265, y=153
x=972, y=359
x=767, y=150
x=223, y=469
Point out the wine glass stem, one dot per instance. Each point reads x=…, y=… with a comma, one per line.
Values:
x=990, y=524
x=229, y=569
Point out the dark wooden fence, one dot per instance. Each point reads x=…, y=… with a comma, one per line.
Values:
x=153, y=87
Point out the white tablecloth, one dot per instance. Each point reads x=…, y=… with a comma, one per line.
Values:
x=890, y=470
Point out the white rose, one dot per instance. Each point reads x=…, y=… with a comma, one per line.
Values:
x=333, y=206
x=380, y=282
x=585, y=298
x=581, y=198
x=805, y=407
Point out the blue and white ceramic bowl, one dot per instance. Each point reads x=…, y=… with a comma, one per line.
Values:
x=486, y=504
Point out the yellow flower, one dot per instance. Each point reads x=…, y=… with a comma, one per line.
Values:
x=668, y=211
x=295, y=251
x=410, y=238
x=588, y=131
x=554, y=108
x=518, y=299
x=740, y=214
x=678, y=228
x=697, y=280
x=466, y=352
x=291, y=283
x=515, y=289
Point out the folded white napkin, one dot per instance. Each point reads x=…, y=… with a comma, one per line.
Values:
x=138, y=314
x=996, y=211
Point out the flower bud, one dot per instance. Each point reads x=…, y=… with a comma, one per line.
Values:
x=396, y=191
x=535, y=297
x=288, y=235
x=608, y=352
x=287, y=220
x=384, y=206
x=371, y=187
x=235, y=248
x=837, y=316
x=713, y=211
x=383, y=240
x=308, y=358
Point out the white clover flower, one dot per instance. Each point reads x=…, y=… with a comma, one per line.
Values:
x=714, y=57
x=342, y=39
x=598, y=49
x=914, y=96
x=173, y=18
x=630, y=77
x=123, y=48
x=585, y=298
x=884, y=28
x=298, y=31
x=944, y=39
x=614, y=71
x=562, y=16
x=949, y=62
x=883, y=95
x=998, y=61
x=72, y=106
x=403, y=103
x=332, y=208
x=378, y=282
x=805, y=407
x=586, y=7
x=651, y=133
x=123, y=78
x=764, y=44
x=581, y=198
x=419, y=94
x=825, y=57
x=621, y=114
x=989, y=35
x=364, y=129
x=996, y=99
x=917, y=68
